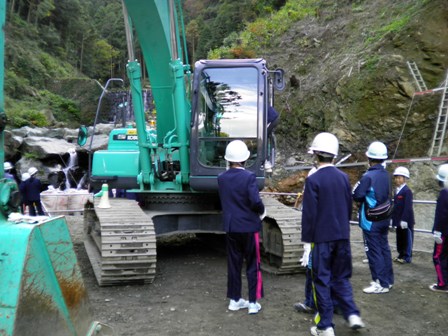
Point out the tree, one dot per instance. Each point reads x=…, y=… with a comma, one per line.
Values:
x=192, y=32
x=105, y=58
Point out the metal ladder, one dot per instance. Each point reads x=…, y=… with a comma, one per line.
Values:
x=439, y=133
x=421, y=85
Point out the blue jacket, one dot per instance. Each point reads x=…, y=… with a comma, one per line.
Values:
x=327, y=206
x=372, y=190
x=272, y=114
x=32, y=189
x=403, y=210
x=9, y=176
x=240, y=201
x=441, y=214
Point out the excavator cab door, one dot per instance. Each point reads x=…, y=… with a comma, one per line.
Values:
x=230, y=98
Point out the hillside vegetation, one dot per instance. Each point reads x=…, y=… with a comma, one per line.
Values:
x=59, y=53
x=345, y=62
x=347, y=65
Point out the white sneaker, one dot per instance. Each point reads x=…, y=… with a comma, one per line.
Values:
x=254, y=307
x=375, y=288
x=319, y=332
x=355, y=322
x=237, y=305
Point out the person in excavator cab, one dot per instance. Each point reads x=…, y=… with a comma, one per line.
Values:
x=273, y=119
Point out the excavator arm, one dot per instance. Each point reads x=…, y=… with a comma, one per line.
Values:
x=228, y=100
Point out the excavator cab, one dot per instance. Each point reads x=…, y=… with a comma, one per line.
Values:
x=230, y=100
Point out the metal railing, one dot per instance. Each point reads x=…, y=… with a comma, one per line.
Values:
x=417, y=228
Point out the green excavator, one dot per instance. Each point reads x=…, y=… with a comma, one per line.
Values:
x=171, y=168
x=42, y=291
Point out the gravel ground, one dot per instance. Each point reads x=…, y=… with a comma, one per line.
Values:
x=188, y=295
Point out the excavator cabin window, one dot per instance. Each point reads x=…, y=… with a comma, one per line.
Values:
x=227, y=110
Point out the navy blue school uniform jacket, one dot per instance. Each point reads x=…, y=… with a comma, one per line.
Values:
x=403, y=210
x=32, y=189
x=240, y=201
x=441, y=214
x=327, y=206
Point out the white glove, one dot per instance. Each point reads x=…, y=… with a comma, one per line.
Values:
x=391, y=227
x=263, y=215
x=403, y=225
x=306, y=254
x=438, y=237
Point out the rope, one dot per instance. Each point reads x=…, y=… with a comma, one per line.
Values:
x=404, y=124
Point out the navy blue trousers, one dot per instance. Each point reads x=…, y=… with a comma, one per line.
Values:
x=379, y=256
x=309, y=299
x=331, y=272
x=405, y=240
x=35, y=208
x=240, y=247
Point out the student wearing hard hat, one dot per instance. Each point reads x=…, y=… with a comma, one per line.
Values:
x=7, y=167
x=242, y=211
x=32, y=189
x=327, y=208
x=370, y=191
x=23, y=196
x=403, y=216
x=440, y=233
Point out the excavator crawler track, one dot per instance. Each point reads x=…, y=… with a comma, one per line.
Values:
x=120, y=243
x=281, y=238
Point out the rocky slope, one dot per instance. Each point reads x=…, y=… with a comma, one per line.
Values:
x=348, y=75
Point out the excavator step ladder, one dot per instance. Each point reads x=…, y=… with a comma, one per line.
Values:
x=421, y=85
x=442, y=119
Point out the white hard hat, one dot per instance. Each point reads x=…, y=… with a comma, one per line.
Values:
x=325, y=142
x=25, y=176
x=442, y=173
x=236, y=151
x=7, y=166
x=401, y=171
x=32, y=171
x=377, y=150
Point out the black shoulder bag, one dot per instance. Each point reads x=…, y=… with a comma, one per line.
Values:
x=382, y=211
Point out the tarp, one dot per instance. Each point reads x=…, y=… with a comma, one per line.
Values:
x=56, y=202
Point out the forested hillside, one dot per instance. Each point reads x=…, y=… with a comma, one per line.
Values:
x=345, y=62
x=59, y=51
x=51, y=41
